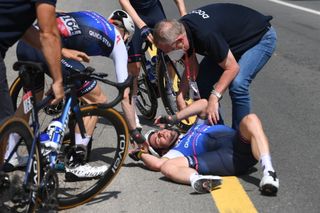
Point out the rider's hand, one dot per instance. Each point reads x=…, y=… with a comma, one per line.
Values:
x=135, y=154
x=58, y=91
x=146, y=33
x=167, y=119
x=213, y=110
x=75, y=55
x=138, y=138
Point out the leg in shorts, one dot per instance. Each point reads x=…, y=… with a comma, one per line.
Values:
x=151, y=17
x=229, y=155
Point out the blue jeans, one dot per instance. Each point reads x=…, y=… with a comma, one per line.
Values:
x=251, y=62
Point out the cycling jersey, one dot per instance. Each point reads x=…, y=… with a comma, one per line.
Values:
x=214, y=29
x=216, y=149
x=88, y=32
x=16, y=16
x=91, y=33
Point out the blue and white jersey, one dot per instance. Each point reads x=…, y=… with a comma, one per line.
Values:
x=203, y=138
x=91, y=33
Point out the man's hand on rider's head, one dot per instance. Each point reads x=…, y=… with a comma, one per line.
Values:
x=75, y=55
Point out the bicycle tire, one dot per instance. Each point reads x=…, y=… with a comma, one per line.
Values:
x=15, y=189
x=168, y=95
x=111, y=124
x=146, y=101
x=16, y=93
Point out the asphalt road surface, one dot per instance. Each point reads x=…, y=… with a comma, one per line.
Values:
x=285, y=95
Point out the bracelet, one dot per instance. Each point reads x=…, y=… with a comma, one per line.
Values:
x=217, y=94
x=139, y=154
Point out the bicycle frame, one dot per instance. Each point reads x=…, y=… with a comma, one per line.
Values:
x=29, y=69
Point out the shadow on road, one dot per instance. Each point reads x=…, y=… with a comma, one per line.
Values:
x=104, y=196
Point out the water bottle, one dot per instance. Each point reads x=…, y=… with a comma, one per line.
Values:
x=44, y=138
x=55, y=131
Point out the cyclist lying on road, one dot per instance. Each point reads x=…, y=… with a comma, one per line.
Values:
x=207, y=150
x=92, y=34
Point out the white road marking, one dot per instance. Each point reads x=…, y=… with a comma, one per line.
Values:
x=296, y=7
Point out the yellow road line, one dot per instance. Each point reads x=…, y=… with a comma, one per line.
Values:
x=231, y=197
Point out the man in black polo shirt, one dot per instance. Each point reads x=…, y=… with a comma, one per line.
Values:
x=236, y=43
x=16, y=18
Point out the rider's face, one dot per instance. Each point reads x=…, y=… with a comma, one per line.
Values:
x=163, y=139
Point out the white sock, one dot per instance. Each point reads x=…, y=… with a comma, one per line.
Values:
x=134, y=98
x=266, y=165
x=193, y=177
x=82, y=141
x=12, y=142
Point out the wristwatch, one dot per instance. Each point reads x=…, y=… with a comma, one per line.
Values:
x=217, y=94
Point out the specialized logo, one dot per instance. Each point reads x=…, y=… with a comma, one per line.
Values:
x=201, y=13
x=68, y=26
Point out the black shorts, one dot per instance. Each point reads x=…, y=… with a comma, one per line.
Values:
x=229, y=155
x=151, y=17
x=27, y=53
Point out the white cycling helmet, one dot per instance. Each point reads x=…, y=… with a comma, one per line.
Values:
x=151, y=150
x=126, y=20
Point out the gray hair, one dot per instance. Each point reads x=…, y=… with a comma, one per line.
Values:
x=166, y=31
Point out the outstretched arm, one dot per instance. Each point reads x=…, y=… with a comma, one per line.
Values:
x=126, y=5
x=196, y=108
x=181, y=7
x=151, y=162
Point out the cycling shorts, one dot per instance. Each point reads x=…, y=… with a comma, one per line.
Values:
x=229, y=155
x=27, y=53
x=151, y=16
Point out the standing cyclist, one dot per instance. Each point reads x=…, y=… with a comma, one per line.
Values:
x=90, y=33
x=145, y=14
x=236, y=43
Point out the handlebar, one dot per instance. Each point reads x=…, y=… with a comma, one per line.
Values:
x=88, y=74
x=27, y=69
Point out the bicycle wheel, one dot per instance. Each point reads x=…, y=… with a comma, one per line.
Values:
x=46, y=114
x=168, y=88
x=146, y=101
x=109, y=147
x=13, y=194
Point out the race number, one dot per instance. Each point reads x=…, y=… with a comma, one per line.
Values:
x=27, y=105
